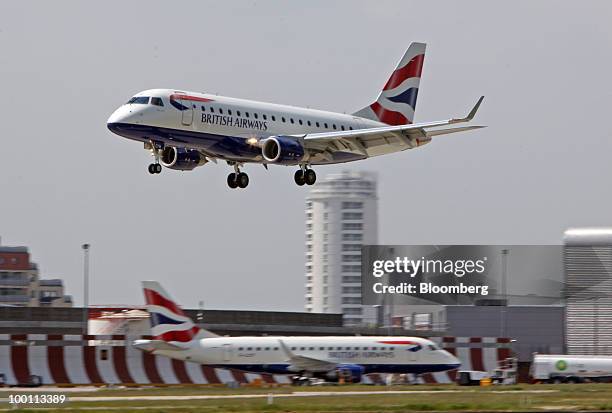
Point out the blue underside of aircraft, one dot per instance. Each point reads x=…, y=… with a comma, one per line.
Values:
x=232, y=148
x=368, y=368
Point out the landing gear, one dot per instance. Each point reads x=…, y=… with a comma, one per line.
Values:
x=305, y=176
x=155, y=168
x=155, y=148
x=237, y=179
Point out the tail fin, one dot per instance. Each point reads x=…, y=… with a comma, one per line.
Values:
x=397, y=101
x=168, y=322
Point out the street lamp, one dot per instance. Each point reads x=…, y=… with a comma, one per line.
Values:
x=85, y=248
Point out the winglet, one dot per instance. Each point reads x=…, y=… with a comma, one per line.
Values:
x=472, y=113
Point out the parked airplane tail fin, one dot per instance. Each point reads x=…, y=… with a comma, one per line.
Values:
x=396, y=102
x=168, y=321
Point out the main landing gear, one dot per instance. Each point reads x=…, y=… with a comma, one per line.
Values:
x=305, y=176
x=237, y=179
x=155, y=168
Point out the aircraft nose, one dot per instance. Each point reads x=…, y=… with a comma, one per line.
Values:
x=453, y=361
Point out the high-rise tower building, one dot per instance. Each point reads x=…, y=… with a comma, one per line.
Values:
x=341, y=216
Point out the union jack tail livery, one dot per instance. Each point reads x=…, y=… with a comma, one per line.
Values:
x=397, y=101
x=168, y=321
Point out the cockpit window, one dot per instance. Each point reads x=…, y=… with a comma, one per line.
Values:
x=142, y=100
x=157, y=102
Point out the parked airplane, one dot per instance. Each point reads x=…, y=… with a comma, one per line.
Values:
x=184, y=130
x=176, y=336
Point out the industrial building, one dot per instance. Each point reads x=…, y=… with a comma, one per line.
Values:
x=341, y=216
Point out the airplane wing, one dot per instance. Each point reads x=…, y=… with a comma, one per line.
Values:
x=302, y=363
x=369, y=142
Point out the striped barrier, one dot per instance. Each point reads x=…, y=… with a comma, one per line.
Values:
x=100, y=360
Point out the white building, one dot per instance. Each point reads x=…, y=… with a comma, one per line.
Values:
x=341, y=216
x=20, y=283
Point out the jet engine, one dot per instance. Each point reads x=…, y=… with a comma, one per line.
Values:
x=350, y=373
x=181, y=159
x=282, y=150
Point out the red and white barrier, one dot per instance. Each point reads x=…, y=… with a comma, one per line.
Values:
x=75, y=359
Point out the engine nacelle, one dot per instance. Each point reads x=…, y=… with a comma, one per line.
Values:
x=282, y=150
x=181, y=159
x=350, y=373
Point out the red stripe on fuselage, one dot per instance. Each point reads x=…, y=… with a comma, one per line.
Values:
x=412, y=69
x=389, y=117
x=176, y=96
x=398, y=342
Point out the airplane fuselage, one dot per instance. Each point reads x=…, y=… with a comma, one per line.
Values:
x=270, y=354
x=225, y=128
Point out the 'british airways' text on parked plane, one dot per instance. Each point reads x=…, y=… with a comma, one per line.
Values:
x=330, y=358
x=184, y=130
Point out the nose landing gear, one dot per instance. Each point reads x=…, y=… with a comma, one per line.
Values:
x=305, y=176
x=155, y=148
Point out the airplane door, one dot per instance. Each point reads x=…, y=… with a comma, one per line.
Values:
x=187, y=114
x=412, y=356
x=227, y=352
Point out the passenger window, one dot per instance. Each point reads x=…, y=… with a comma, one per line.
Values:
x=246, y=114
x=308, y=122
x=203, y=109
x=255, y=115
x=212, y=110
x=302, y=348
x=157, y=102
x=334, y=126
x=293, y=348
x=273, y=118
x=229, y=111
x=350, y=128
x=238, y=112
x=291, y=120
x=310, y=348
x=221, y=111
x=300, y=121
x=249, y=348
x=318, y=125
x=264, y=117
x=391, y=348
x=267, y=348
x=258, y=349
x=326, y=127
x=240, y=348
x=321, y=348
x=330, y=348
x=283, y=119
x=342, y=127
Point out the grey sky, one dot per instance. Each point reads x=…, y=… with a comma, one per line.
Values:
x=543, y=164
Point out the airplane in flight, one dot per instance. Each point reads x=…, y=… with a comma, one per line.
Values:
x=330, y=358
x=184, y=130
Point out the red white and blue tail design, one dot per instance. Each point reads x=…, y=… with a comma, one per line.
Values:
x=397, y=101
x=168, y=321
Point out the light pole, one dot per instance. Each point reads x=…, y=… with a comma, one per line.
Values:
x=504, y=288
x=85, y=248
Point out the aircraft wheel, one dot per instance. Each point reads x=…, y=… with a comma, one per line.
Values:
x=152, y=168
x=243, y=180
x=231, y=181
x=310, y=177
x=158, y=168
x=299, y=177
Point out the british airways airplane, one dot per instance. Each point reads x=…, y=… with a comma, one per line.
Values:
x=330, y=358
x=184, y=130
